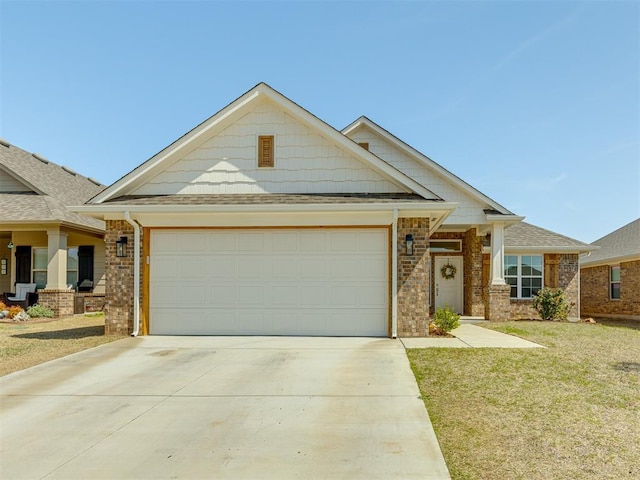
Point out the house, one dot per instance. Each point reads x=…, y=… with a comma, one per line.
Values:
x=41, y=240
x=610, y=276
x=264, y=219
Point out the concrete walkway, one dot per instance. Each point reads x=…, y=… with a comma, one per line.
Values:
x=468, y=335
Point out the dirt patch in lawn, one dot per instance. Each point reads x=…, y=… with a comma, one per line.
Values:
x=571, y=411
x=25, y=344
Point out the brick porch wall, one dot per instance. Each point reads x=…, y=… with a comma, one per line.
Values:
x=60, y=301
x=594, y=290
x=413, y=278
x=118, y=302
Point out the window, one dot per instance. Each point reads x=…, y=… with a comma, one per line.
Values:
x=524, y=274
x=446, y=246
x=72, y=266
x=614, y=281
x=265, y=151
x=40, y=261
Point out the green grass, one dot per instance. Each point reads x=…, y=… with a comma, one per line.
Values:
x=571, y=411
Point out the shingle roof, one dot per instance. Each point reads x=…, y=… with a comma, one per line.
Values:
x=268, y=198
x=54, y=188
x=525, y=235
x=621, y=243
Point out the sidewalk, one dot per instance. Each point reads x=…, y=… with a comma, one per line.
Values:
x=468, y=335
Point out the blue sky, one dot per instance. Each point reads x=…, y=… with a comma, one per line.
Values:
x=536, y=104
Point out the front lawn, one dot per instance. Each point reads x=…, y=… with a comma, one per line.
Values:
x=25, y=344
x=571, y=411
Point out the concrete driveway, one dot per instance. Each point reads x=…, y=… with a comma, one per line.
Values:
x=220, y=407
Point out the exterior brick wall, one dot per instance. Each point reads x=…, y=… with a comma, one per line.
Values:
x=594, y=291
x=60, y=301
x=413, y=278
x=118, y=305
x=93, y=302
x=560, y=271
x=473, y=287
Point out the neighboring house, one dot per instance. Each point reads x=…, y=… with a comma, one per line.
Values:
x=610, y=276
x=41, y=240
x=264, y=219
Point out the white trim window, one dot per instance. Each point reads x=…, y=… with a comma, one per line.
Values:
x=39, y=270
x=614, y=282
x=524, y=274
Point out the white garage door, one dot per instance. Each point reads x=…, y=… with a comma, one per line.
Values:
x=269, y=282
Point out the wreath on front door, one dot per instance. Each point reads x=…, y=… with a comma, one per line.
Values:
x=448, y=271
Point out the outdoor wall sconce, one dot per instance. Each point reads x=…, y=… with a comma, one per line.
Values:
x=409, y=240
x=10, y=245
x=121, y=247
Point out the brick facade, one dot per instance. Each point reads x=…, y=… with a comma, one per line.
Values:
x=594, y=291
x=413, y=278
x=497, y=307
x=560, y=271
x=92, y=302
x=60, y=301
x=118, y=305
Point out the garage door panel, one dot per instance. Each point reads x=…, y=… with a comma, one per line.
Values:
x=273, y=282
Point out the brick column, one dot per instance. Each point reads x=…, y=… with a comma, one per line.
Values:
x=497, y=306
x=413, y=278
x=60, y=301
x=118, y=306
x=473, y=286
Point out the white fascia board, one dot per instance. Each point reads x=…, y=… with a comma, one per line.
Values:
x=415, y=207
x=187, y=142
x=506, y=219
x=426, y=161
x=609, y=261
x=366, y=157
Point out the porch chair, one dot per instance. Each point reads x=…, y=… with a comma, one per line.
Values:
x=25, y=295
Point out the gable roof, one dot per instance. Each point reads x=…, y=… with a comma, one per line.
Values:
x=524, y=236
x=49, y=190
x=620, y=245
x=210, y=127
x=427, y=162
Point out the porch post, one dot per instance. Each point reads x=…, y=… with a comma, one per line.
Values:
x=57, y=256
x=497, y=306
x=497, y=254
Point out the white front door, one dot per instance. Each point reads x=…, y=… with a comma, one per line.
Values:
x=449, y=290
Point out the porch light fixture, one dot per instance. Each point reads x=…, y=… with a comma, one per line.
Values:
x=10, y=245
x=121, y=247
x=409, y=240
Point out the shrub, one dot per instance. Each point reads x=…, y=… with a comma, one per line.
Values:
x=40, y=311
x=2, y=307
x=14, y=310
x=551, y=304
x=21, y=316
x=445, y=319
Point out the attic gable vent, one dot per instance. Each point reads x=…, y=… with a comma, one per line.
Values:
x=265, y=151
x=4, y=143
x=364, y=145
x=68, y=170
x=37, y=156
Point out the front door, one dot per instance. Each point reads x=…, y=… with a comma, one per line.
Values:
x=448, y=283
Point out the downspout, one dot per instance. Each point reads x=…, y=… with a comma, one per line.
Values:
x=136, y=273
x=394, y=275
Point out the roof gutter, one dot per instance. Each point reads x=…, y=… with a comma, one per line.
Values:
x=136, y=273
